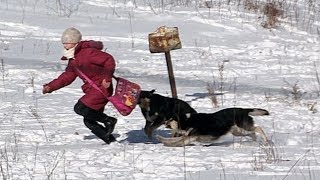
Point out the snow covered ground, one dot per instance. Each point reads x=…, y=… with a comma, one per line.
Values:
x=224, y=47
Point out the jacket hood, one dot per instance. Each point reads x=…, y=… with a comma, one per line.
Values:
x=86, y=44
x=90, y=44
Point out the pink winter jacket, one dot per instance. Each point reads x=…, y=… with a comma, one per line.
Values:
x=96, y=65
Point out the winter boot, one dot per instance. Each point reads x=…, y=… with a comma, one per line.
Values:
x=105, y=136
x=112, y=138
x=110, y=123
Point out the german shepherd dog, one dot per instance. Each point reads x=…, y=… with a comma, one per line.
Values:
x=208, y=127
x=158, y=109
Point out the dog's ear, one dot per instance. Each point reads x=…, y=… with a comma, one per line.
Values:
x=146, y=94
x=152, y=91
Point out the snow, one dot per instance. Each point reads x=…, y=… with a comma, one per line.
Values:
x=275, y=69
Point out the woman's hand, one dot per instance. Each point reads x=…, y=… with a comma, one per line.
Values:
x=105, y=84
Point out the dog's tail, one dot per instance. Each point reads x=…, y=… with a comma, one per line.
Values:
x=257, y=112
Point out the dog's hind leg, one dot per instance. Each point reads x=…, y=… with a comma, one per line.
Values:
x=237, y=131
x=259, y=130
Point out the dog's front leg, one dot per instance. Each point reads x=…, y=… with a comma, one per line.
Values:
x=177, y=141
x=180, y=132
x=153, y=123
x=173, y=125
x=184, y=132
x=149, y=118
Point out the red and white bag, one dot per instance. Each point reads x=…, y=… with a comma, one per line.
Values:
x=125, y=97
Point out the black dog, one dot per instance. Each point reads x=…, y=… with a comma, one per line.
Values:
x=206, y=128
x=157, y=110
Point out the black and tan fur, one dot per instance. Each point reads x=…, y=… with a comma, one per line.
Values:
x=158, y=109
x=208, y=127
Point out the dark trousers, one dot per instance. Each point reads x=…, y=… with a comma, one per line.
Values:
x=91, y=118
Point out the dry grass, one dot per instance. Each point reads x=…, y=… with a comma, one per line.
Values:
x=212, y=95
x=272, y=13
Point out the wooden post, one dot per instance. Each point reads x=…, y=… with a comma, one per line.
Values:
x=171, y=75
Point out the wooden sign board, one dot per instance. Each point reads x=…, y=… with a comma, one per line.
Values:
x=164, y=39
